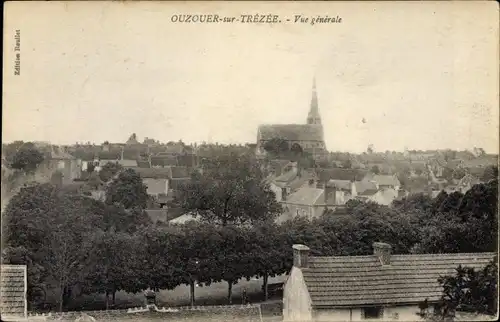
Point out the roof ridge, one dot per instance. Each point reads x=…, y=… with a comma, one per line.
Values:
x=405, y=255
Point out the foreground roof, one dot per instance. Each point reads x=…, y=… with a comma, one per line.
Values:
x=363, y=280
x=12, y=288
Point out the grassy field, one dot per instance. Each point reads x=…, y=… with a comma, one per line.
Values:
x=215, y=294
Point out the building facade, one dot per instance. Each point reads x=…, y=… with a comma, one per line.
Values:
x=307, y=137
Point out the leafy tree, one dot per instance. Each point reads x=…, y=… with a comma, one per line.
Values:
x=452, y=202
x=195, y=249
x=277, y=146
x=54, y=229
x=438, y=201
x=109, y=170
x=230, y=190
x=375, y=169
x=233, y=260
x=27, y=158
x=113, y=264
x=467, y=290
x=490, y=173
x=158, y=259
x=128, y=190
x=94, y=181
x=268, y=256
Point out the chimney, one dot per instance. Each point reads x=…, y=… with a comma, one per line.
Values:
x=383, y=252
x=300, y=256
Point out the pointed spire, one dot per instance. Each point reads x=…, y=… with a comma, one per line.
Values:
x=313, y=116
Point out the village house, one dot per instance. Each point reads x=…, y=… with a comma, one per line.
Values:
x=312, y=201
x=381, y=286
x=163, y=182
x=383, y=181
x=63, y=167
x=291, y=179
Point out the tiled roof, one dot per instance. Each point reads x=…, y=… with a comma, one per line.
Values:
x=59, y=153
x=187, y=160
x=481, y=162
x=305, y=196
x=386, y=180
x=155, y=186
x=128, y=163
x=13, y=290
x=340, y=174
x=173, y=149
x=109, y=155
x=300, y=181
x=143, y=164
x=163, y=160
x=155, y=173
x=341, y=184
x=368, y=192
x=291, y=132
x=179, y=172
x=362, y=280
x=364, y=185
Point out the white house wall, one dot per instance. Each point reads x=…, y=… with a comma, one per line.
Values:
x=394, y=313
x=296, y=299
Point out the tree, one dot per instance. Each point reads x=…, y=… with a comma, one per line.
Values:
x=158, y=261
x=94, y=181
x=27, y=158
x=490, y=173
x=113, y=264
x=375, y=169
x=109, y=170
x=230, y=190
x=268, y=256
x=197, y=245
x=277, y=146
x=54, y=229
x=233, y=258
x=469, y=290
x=128, y=190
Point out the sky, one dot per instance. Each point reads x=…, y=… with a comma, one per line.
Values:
x=100, y=71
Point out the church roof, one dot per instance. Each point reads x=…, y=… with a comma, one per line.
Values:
x=291, y=132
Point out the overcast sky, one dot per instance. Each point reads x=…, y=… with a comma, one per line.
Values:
x=422, y=75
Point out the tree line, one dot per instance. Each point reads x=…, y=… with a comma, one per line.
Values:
x=74, y=243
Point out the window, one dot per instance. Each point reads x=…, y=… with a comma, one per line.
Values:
x=373, y=312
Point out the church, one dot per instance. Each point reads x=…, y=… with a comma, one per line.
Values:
x=307, y=137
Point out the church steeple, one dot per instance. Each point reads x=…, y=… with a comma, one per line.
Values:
x=313, y=117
